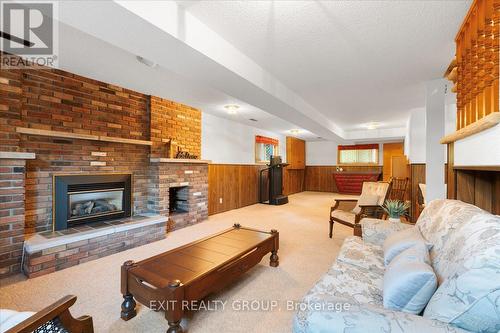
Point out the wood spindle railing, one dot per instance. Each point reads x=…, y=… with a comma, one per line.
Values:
x=477, y=63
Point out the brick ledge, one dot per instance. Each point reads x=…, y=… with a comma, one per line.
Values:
x=36, y=242
x=12, y=155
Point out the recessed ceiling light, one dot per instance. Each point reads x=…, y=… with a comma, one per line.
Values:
x=295, y=131
x=372, y=125
x=231, y=108
x=145, y=61
x=252, y=119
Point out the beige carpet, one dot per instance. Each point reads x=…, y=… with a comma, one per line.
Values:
x=305, y=254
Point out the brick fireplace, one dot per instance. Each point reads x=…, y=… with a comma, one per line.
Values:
x=56, y=123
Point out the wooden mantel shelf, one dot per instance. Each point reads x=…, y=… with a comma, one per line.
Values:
x=482, y=124
x=70, y=135
x=178, y=160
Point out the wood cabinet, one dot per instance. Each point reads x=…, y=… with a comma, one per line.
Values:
x=295, y=153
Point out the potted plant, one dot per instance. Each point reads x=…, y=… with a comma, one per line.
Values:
x=395, y=209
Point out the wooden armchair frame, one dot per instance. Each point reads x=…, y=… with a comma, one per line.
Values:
x=375, y=211
x=60, y=310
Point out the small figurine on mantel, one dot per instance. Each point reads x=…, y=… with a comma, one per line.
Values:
x=174, y=150
x=185, y=154
x=171, y=147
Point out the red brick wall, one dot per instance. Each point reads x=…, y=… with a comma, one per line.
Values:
x=11, y=215
x=166, y=175
x=73, y=156
x=56, y=100
x=171, y=120
x=10, y=109
x=61, y=101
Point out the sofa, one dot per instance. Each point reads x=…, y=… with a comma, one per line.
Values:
x=465, y=257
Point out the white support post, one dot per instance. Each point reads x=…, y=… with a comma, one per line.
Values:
x=435, y=130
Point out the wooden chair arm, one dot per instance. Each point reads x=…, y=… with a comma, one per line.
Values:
x=350, y=200
x=340, y=201
x=58, y=309
x=369, y=206
x=375, y=211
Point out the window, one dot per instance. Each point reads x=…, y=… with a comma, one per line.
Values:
x=265, y=148
x=358, y=154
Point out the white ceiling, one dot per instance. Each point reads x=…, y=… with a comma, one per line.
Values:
x=354, y=61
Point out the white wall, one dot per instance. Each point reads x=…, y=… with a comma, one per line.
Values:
x=321, y=153
x=415, y=138
x=226, y=141
x=481, y=149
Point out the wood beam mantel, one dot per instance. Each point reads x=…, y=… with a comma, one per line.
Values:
x=483, y=124
x=70, y=135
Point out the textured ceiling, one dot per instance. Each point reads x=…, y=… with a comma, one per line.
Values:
x=354, y=61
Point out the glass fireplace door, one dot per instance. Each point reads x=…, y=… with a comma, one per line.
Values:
x=87, y=204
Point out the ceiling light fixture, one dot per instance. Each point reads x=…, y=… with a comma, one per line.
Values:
x=295, y=131
x=372, y=126
x=231, y=108
x=146, y=62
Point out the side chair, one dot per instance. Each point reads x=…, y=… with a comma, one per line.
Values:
x=350, y=212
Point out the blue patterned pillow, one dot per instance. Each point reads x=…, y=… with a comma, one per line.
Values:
x=409, y=281
x=399, y=241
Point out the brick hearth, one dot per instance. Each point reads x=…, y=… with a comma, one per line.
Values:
x=49, y=252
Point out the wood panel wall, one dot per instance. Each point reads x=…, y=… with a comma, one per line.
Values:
x=293, y=181
x=417, y=176
x=320, y=178
x=232, y=186
x=480, y=188
x=238, y=185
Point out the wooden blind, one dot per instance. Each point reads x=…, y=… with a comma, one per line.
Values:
x=477, y=58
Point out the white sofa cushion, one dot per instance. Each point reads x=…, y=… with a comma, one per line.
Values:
x=466, y=259
x=356, y=252
x=409, y=280
x=399, y=241
x=10, y=318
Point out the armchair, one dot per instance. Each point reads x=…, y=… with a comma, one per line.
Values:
x=350, y=212
x=54, y=318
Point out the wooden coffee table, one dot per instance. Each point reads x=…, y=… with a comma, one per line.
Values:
x=191, y=272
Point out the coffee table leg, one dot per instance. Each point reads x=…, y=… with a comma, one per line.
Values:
x=174, y=327
x=174, y=313
x=274, y=260
x=128, y=305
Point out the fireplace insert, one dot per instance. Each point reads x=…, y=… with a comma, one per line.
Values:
x=81, y=199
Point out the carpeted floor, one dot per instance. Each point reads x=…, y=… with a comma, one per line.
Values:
x=305, y=254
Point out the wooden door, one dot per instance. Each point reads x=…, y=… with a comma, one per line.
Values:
x=399, y=167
